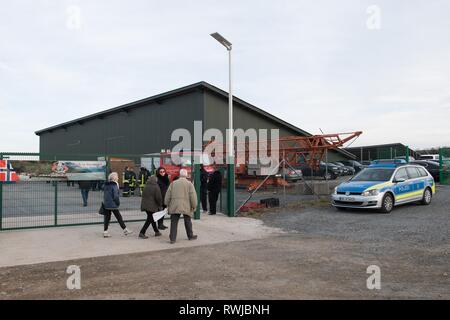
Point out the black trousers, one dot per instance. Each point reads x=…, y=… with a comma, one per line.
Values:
x=174, y=226
x=148, y=222
x=203, y=198
x=126, y=189
x=108, y=219
x=213, y=197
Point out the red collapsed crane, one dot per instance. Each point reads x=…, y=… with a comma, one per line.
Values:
x=292, y=149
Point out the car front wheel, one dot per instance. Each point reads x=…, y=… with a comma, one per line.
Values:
x=387, y=204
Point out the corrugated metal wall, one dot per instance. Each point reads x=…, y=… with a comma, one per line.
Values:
x=145, y=129
x=216, y=116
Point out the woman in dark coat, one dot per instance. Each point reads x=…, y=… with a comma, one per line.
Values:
x=204, y=175
x=214, y=188
x=163, y=183
x=151, y=202
x=111, y=202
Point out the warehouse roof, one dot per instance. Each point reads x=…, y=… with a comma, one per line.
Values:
x=166, y=95
x=177, y=92
x=397, y=144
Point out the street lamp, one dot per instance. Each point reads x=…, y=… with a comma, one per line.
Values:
x=230, y=161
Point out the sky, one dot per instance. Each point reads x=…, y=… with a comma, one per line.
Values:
x=381, y=67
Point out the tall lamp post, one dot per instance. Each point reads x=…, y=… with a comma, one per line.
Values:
x=230, y=154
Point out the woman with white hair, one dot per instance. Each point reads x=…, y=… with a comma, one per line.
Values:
x=111, y=202
x=181, y=199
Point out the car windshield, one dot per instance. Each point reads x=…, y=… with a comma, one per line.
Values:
x=374, y=174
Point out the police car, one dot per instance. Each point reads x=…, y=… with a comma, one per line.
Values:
x=385, y=184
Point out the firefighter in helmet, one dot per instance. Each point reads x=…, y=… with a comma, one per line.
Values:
x=142, y=178
x=129, y=182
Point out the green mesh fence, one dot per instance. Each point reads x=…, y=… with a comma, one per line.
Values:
x=35, y=202
x=444, y=166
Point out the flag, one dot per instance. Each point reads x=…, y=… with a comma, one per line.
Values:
x=7, y=173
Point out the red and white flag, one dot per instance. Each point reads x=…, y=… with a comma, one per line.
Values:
x=7, y=173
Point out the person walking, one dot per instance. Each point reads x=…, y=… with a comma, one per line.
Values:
x=111, y=202
x=181, y=199
x=214, y=188
x=151, y=202
x=204, y=188
x=85, y=187
x=163, y=183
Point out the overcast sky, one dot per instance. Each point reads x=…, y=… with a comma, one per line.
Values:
x=335, y=65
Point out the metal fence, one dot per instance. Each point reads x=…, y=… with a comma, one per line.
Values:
x=51, y=202
x=289, y=185
x=444, y=166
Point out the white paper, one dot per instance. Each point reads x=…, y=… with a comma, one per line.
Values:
x=158, y=215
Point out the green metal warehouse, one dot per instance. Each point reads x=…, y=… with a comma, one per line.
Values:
x=145, y=126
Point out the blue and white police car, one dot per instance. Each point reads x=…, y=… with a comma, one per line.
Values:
x=385, y=184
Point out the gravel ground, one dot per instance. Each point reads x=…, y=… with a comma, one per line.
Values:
x=324, y=255
x=408, y=225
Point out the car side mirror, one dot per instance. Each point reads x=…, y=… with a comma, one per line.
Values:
x=399, y=180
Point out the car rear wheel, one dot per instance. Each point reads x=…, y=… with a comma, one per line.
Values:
x=387, y=204
x=427, y=195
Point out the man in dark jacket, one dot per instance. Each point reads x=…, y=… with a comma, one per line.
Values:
x=85, y=186
x=214, y=188
x=163, y=183
x=203, y=188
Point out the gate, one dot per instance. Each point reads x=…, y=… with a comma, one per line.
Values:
x=33, y=196
x=444, y=166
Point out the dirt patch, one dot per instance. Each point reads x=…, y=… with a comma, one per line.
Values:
x=319, y=202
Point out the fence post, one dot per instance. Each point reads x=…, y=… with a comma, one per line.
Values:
x=56, y=202
x=152, y=169
x=230, y=189
x=220, y=194
x=1, y=199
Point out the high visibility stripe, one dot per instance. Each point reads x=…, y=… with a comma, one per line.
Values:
x=379, y=186
x=409, y=194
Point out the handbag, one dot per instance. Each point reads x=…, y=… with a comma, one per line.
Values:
x=102, y=210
